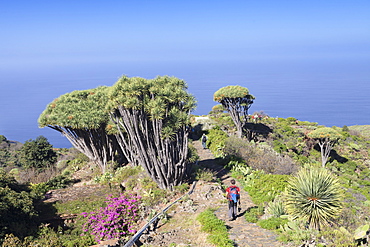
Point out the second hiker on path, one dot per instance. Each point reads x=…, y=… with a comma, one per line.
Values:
x=233, y=195
x=204, y=141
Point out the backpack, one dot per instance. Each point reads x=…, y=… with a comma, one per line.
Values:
x=204, y=138
x=234, y=194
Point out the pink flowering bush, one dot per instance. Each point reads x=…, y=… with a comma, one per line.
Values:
x=115, y=220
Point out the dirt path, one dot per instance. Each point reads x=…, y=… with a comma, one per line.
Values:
x=183, y=229
x=241, y=232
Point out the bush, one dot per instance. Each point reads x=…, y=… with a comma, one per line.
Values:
x=297, y=232
x=338, y=237
x=123, y=173
x=275, y=208
x=258, y=156
x=115, y=220
x=59, y=182
x=252, y=214
x=266, y=187
x=37, y=153
x=38, y=190
x=272, y=223
x=216, y=228
x=216, y=141
x=182, y=188
x=203, y=174
x=17, y=212
x=192, y=154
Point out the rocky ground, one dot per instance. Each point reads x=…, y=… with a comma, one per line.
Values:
x=182, y=228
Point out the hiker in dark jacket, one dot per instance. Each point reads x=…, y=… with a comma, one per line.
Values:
x=204, y=141
x=233, y=196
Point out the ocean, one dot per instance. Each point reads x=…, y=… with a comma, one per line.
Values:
x=331, y=93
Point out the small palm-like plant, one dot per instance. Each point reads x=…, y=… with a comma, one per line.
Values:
x=315, y=196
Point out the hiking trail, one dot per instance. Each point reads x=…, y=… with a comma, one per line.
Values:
x=182, y=227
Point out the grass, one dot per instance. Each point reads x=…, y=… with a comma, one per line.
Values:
x=218, y=234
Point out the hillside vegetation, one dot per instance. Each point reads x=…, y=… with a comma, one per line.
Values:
x=265, y=164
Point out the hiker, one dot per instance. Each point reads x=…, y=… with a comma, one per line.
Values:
x=233, y=195
x=204, y=141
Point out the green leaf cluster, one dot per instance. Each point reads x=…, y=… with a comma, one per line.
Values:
x=216, y=141
x=325, y=133
x=266, y=187
x=17, y=210
x=272, y=223
x=78, y=110
x=253, y=214
x=315, y=196
x=162, y=98
x=37, y=153
x=232, y=92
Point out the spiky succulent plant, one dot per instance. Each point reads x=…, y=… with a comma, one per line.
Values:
x=314, y=195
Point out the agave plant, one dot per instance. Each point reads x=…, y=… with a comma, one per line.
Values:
x=275, y=208
x=314, y=196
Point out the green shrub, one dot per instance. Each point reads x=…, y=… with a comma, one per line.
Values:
x=297, y=232
x=124, y=172
x=279, y=147
x=182, y=188
x=266, y=187
x=59, y=182
x=272, y=223
x=11, y=241
x=252, y=214
x=338, y=237
x=203, y=174
x=38, y=190
x=216, y=228
x=85, y=204
x=37, y=153
x=104, y=178
x=216, y=141
x=192, y=154
x=276, y=208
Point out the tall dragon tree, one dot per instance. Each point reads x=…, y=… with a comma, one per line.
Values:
x=152, y=117
x=326, y=138
x=81, y=117
x=236, y=100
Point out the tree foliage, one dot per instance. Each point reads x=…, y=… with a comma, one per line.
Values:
x=82, y=118
x=326, y=138
x=37, y=153
x=315, y=196
x=16, y=207
x=152, y=117
x=236, y=100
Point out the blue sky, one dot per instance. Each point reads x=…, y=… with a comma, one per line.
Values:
x=48, y=48
x=55, y=33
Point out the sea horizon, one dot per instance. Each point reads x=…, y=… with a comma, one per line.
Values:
x=330, y=94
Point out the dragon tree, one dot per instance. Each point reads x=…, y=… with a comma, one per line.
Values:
x=236, y=100
x=81, y=117
x=326, y=138
x=152, y=118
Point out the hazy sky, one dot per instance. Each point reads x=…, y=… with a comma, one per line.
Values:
x=57, y=33
x=48, y=48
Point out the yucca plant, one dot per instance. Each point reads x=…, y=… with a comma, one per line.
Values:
x=315, y=196
x=275, y=208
